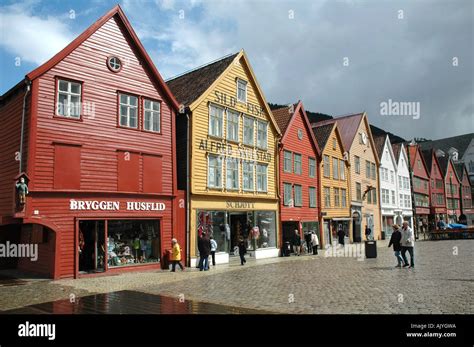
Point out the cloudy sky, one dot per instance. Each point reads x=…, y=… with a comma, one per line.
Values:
x=338, y=56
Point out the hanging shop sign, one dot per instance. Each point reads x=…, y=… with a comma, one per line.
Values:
x=238, y=151
x=94, y=205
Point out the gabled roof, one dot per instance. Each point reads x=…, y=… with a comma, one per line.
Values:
x=120, y=15
x=379, y=142
x=412, y=150
x=396, y=148
x=461, y=170
x=188, y=87
x=444, y=164
x=428, y=156
x=284, y=118
x=460, y=142
x=322, y=133
x=348, y=126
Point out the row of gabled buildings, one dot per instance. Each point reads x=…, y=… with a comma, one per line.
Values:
x=118, y=162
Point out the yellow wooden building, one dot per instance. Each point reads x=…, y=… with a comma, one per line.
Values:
x=363, y=176
x=233, y=162
x=335, y=194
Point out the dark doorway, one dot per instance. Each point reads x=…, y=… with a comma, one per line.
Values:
x=238, y=229
x=288, y=230
x=356, y=232
x=91, y=246
x=9, y=233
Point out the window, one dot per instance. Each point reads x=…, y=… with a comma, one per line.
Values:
x=261, y=177
x=372, y=166
x=312, y=167
x=327, y=197
x=216, y=115
x=374, y=196
x=232, y=126
x=327, y=168
x=249, y=124
x=67, y=166
x=232, y=181
x=401, y=196
x=367, y=169
x=241, y=90
x=214, y=177
x=358, y=192
x=343, y=198
x=128, y=111
x=287, y=165
x=357, y=164
x=392, y=192
x=248, y=168
x=342, y=170
x=369, y=197
x=336, y=197
x=152, y=115
x=287, y=194
x=298, y=195
x=114, y=64
x=400, y=185
x=419, y=163
x=385, y=198
x=335, y=168
x=297, y=158
x=69, y=99
x=262, y=135
x=392, y=177
x=432, y=183
x=334, y=143
x=406, y=184
x=312, y=197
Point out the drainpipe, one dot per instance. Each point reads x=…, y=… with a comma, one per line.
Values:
x=23, y=116
x=188, y=186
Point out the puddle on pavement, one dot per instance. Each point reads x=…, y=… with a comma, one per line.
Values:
x=130, y=302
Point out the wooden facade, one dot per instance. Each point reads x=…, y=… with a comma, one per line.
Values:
x=437, y=189
x=89, y=166
x=299, y=159
x=465, y=191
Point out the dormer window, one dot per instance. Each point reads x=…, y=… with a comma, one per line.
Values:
x=241, y=90
x=114, y=64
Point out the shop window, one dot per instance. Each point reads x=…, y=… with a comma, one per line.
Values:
x=214, y=177
x=128, y=111
x=128, y=171
x=287, y=194
x=266, y=223
x=248, y=175
x=216, y=115
x=152, y=112
x=152, y=173
x=262, y=177
x=232, y=126
x=132, y=242
x=215, y=224
x=297, y=159
x=67, y=166
x=232, y=166
x=298, y=195
x=262, y=134
x=287, y=161
x=68, y=103
x=312, y=167
x=249, y=129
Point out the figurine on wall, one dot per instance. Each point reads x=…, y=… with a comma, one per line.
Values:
x=22, y=191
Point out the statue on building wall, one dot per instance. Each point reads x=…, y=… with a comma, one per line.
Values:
x=22, y=191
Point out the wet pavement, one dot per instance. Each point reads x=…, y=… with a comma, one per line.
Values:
x=130, y=302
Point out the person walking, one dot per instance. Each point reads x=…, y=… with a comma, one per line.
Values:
x=408, y=244
x=204, y=247
x=368, y=232
x=296, y=242
x=307, y=238
x=175, y=255
x=341, y=234
x=314, y=242
x=213, y=250
x=395, y=241
x=242, y=251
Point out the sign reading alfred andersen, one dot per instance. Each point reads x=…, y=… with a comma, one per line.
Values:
x=234, y=150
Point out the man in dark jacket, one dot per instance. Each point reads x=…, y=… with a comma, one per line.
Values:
x=368, y=233
x=397, y=247
x=341, y=234
x=204, y=247
x=242, y=251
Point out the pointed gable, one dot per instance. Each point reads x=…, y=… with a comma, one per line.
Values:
x=283, y=116
x=379, y=142
x=348, y=126
x=322, y=134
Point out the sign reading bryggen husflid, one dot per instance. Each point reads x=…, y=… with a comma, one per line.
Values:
x=97, y=190
x=233, y=167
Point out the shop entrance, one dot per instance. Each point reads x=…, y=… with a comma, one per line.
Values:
x=288, y=230
x=238, y=229
x=91, y=246
x=356, y=234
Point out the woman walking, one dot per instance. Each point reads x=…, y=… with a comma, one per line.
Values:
x=314, y=242
x=397, y=247
x=213, y=250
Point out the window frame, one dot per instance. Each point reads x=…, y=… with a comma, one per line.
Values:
x=300, y=156
x=210, y=116
x=298, y=202
x=336, y=197
x=285, y=152
x=357, y=164
x=265, y=123
x=219, y=161
x=312, y=166
x=59, y=79
x=244, y=117
x=234, y=113
x=335, y=168
x=237, y=80
x=159, y=114
x=266, y=177
x=326, y=165
x=312, y=197
x=244, y=172
x=342, y=170
x=237, y=161
x=119, y=106
x=287, y=200
x=327, y=196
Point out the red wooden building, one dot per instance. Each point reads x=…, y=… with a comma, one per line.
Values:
x=467, y=212
x=452, y=185
x=420, y=178
x=299, y=165
x=98, y=157
x=437, y=193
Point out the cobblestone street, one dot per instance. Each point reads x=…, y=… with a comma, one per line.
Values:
x=441, y=282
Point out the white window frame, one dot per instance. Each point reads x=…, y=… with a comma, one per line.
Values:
x=287, y=194
x=335, y=168
x=235, y=186
x=210, y=131
x=327, y=166
x=245, y=83
x=327, y=196
x=357, y=164
x=343, y=197
x=232, y=113
x=312, y=167
x=129, y=106
x=69, y=94
x=259, y=144
x=298, y=197
x=312, y=197
x=337, y=197
x=342, y=170
x=245, y=172
x=266, y=177
x=153, y=113
x=285, y=167
x=295, y=155
x=245, y=117
x=219, y=161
